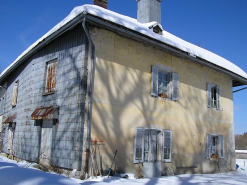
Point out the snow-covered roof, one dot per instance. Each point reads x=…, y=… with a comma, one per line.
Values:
x=133, y=24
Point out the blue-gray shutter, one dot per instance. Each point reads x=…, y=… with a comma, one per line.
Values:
x=154, y=83
x=221, y=147
x=208, y=146
x=218, y=97
x=169, y=85
x=139, y=145
x=175, y=86
x=1, y=105
x=167, y=145
x=209, y=102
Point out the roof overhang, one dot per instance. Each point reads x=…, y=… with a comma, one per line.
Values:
x=45, y=113
x=134, y=35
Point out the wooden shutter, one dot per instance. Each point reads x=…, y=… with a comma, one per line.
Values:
x=208, y=148
x=139, y=145
x=218, y=97
x=51, y=77
x=221, y=146
x=154, y=83
x=167, y=146
x=209, y=102
x=14, y=95
x=175, y=86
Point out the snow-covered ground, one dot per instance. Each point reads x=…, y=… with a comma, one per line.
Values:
x=24, y=173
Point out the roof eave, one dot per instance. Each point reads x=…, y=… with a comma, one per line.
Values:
x=118, y=29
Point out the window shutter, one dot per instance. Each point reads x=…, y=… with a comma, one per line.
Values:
x=175, y=86
x=51, y=77
x=167, y=146
x=208, y=148
x=221, y=147
x=218, y=98
x=154, y=83
x=169, y=86
x=209, y=102
x=14, y=95
x=1, y=105
x=139, y=145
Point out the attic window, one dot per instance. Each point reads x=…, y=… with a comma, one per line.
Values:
x=157, y=28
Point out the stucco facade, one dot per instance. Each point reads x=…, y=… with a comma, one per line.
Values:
x=122, y=102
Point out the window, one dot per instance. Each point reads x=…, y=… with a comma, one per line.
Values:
x=165, y=83
x=14, y=95
x=215, y=146
x=147, y=145
x=50, y=84
x=213, y=96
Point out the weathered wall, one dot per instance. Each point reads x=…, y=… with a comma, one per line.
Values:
x=122, y=102
x=71, y=75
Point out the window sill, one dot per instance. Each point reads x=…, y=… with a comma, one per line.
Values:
x=215, y=109
x=48, y=93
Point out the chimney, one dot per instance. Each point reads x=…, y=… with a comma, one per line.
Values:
x=101, y=3
x=148, y=11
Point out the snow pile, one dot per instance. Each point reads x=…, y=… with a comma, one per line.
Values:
x=23, y=173
x=133, y=24
x=241, y=151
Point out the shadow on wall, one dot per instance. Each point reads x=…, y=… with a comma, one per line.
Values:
x=122, y=102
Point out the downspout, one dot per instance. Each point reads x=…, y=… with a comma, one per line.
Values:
x=90, y=93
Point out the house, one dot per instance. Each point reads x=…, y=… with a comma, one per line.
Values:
x=164, y=104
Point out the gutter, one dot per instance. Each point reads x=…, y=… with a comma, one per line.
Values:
x=90, y=92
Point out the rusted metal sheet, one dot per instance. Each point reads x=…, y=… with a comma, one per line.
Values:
x=14, y=95
x=45, y=113
x=51, y=77
x=10, y=119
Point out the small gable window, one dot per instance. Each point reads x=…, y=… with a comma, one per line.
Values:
x=213, y=96
x=165, y=83
x=157, y=28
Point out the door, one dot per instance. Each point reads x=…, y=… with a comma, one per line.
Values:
x=46, y=142
x=10, y=138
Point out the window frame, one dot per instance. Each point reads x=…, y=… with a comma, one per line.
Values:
x=15, y=94
x=139, y=141
x=51, y=72
x=172, y=82
x=210, y=96
x=219, y=146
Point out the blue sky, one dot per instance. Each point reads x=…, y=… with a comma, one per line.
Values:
x=219, y=26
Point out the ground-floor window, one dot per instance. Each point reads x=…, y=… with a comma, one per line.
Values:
x=215, y=146
x=152, y=143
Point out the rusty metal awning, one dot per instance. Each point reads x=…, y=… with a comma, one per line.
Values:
x=45, y=113
x=10, y=119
